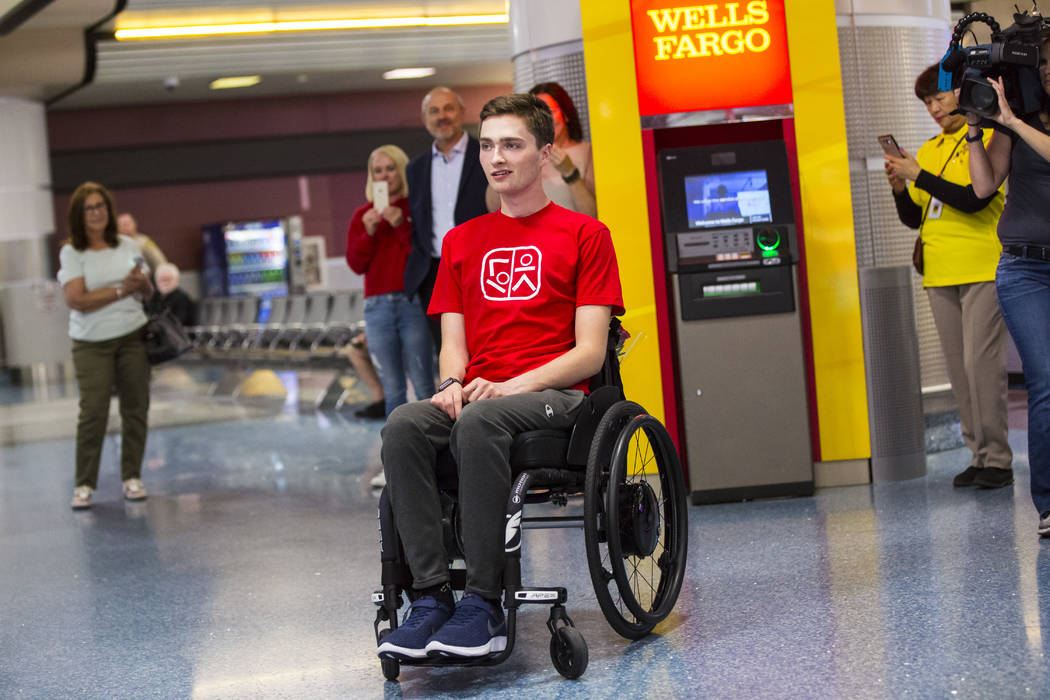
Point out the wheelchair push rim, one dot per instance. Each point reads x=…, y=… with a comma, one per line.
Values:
x=635, y=520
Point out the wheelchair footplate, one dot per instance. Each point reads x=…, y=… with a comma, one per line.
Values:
x=567, y=647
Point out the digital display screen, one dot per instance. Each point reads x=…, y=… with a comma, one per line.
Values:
x=727, y=199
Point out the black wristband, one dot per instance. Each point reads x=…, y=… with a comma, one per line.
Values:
x=571, y=177
x=448, y=382
x=975, y=139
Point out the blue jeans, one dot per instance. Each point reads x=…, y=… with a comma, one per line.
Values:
x=399, y=343
x=1024, y=297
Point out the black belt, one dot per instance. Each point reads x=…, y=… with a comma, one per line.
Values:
x=1028, y=251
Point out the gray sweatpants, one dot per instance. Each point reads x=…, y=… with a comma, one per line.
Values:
x=480, y=441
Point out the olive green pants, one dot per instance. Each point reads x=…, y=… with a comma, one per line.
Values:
x=99, y=366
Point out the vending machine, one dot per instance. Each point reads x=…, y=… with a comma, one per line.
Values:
x=260, y=258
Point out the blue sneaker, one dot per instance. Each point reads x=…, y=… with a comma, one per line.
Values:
x=409, y=641
x=476, y=629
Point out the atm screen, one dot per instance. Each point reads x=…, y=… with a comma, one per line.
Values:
x=727, y=199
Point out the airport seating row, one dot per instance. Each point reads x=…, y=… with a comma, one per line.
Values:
x=295, y=331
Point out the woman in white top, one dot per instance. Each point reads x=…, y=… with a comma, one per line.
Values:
x=102, y=274
x=568, y=178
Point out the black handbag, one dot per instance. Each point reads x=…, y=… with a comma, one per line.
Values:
x=166, y=339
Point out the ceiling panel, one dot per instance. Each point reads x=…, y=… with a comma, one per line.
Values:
x=296, y=62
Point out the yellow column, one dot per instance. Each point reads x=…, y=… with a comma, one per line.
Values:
x=827, y=218
x=827, y=213
x=617, y=143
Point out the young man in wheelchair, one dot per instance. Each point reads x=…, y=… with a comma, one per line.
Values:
x=525, y=295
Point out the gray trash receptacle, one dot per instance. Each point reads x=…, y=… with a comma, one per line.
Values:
x=891, y=360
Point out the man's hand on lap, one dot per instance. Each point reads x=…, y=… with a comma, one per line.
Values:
x=480, y=389
x=450, y=400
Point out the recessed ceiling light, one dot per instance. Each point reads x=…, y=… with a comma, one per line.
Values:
x=196, y=30
x=235, y=81
x=408, y=73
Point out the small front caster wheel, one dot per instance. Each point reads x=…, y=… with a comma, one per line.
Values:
x=391, y=668
x=569, y=652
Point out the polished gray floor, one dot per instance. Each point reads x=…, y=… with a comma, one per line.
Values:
x=248, y=571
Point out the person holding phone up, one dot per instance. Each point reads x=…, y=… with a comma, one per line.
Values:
x=377, y=246
x=101, y=275
x=960, y=250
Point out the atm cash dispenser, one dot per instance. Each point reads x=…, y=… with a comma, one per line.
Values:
x=729, y=235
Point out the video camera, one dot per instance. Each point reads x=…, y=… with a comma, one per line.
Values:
x=1013, y=55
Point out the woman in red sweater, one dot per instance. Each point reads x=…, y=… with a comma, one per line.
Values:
x=377, y=246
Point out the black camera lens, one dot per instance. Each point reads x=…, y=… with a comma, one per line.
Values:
x=976, y=95
x=984, y=99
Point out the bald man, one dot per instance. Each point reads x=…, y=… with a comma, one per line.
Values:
x=127, y=226
x=446, y=187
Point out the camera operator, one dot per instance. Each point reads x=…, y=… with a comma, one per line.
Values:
x=960, y=252
x=1020, y=148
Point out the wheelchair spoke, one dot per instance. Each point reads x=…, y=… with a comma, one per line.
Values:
x=637, y=575
x=643, y=455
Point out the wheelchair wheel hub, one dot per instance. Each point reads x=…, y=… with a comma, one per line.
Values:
x=639, y=519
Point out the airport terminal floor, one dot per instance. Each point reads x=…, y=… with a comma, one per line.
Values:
x=248, y=573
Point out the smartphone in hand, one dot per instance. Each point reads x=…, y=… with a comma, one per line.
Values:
x=889, y=146
x=380, y=195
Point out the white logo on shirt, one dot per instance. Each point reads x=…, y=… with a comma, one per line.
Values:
x=511, y=274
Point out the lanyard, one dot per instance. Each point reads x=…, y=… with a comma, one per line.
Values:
x=943, y=168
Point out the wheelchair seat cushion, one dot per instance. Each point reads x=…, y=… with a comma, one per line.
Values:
x=536, y=449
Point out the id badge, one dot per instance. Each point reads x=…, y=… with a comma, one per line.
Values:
x=934, y=211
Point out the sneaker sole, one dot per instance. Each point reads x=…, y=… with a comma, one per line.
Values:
x=85, y=506
x=494, y=645
x=136, y=498
x=983, y=485
x=391, y=651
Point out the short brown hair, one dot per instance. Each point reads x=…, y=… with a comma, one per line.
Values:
x=926, y=83
x=532, y=110
x=76, y=215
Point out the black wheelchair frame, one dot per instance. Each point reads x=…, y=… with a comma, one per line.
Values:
x=628, y=523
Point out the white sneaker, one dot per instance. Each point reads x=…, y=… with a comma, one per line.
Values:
x=82, y=497
x=378, y=481
x=134, y=490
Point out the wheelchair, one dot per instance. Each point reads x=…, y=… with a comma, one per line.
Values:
x=624, y=465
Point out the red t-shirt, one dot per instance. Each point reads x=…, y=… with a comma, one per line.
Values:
x=380, y=258
x=518, y=281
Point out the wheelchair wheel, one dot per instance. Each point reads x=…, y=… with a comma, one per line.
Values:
x=569, y=652
x=635, y=520
x=391, y=668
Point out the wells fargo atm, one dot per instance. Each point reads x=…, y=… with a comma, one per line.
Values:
x=715, y=105
x=730, y=241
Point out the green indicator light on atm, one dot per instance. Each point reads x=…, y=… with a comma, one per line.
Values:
x=768, y=240
x=770, y=253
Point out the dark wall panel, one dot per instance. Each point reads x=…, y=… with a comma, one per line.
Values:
x=171, y=164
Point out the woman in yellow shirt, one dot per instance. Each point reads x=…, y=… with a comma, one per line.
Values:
x=933, y=193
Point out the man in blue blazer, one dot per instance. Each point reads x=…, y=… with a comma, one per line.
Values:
x=446, y=186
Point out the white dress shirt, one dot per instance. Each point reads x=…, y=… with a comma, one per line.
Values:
x=445, y=173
